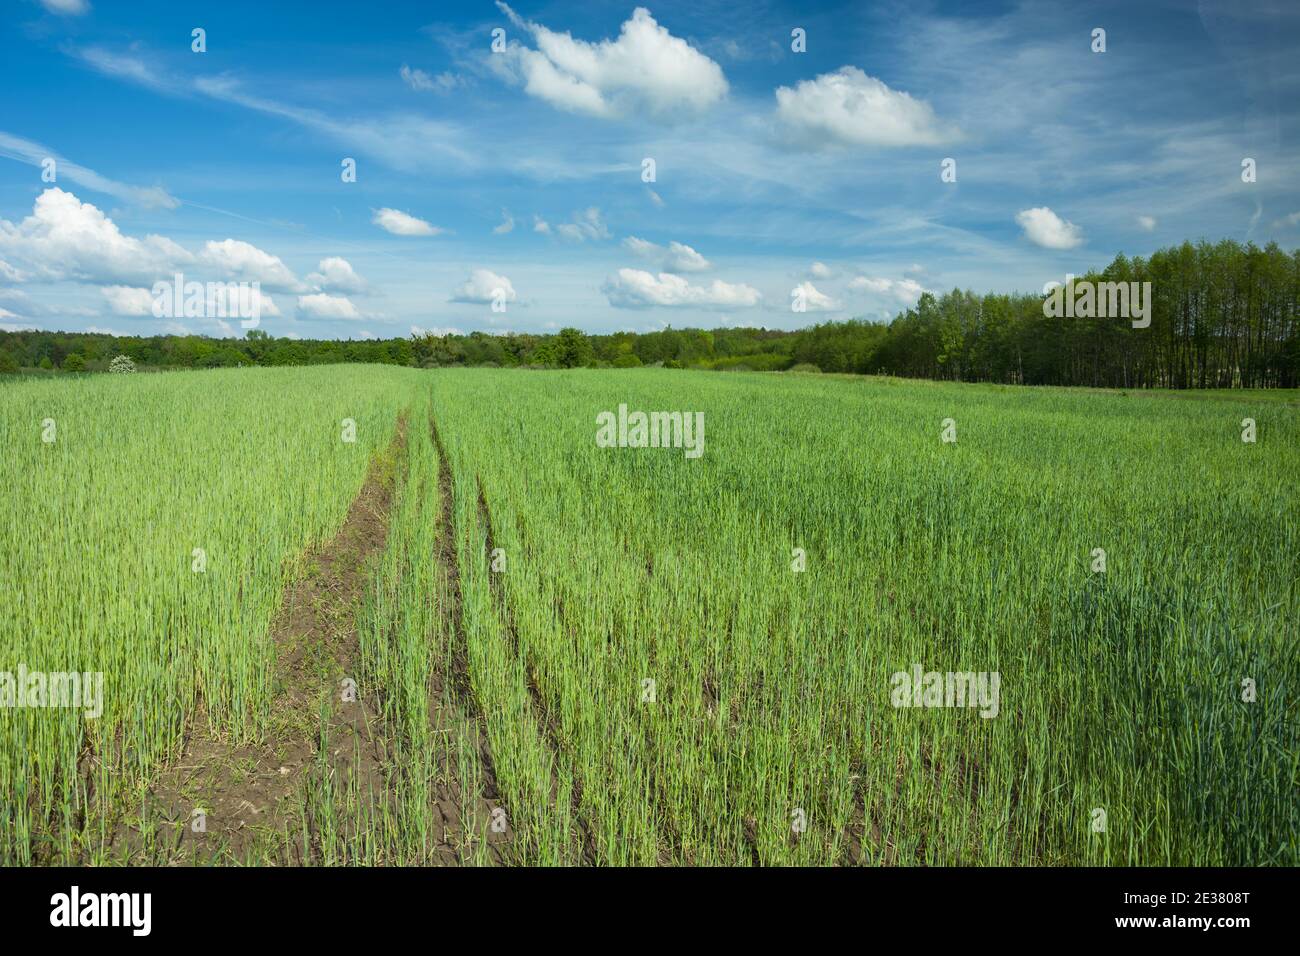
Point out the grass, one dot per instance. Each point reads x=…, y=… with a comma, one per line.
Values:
x=1120, y=690
x=768, y=734
x=97, y=540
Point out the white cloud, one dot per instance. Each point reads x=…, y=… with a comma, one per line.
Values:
x=1045, y=228
x=850, y=107
x=65, y=238
x=820, y=270
x=335, y=274
x=677, y=257
x=642, y=247
x=1148, y=223
x=322, y=306
x=541, y=225
x=645, y=70
x=123, y=66
x=482, y=287
x=419, y=80
x=585, y=225
x=265, y=304
x=906, y=291
x=68, y=7
x=244, y=262
x=126, y=300
x=402, y=224
x=635, y=289
x=682, y=258
x=20, y=300
x=815, y=300
x=137, y=302
x=9, y=274
x=26, y=151
x=507, y=224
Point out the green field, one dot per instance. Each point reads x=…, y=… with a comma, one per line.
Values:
x=568, y=653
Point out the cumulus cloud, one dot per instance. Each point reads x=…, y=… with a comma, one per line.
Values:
x=137, y=302
x=585, y=225
x=1148, y=223
x=244, y=262
x=541, y=225
x=906, y=291
x=646, y=69
x=677, y=257
x=335, y=274
x=322, y=306
x=126, y=300
x=820, y=270
x=264, y=303
x=65, y=238
x=682, y=258
x=402, y=224
x=815, y=300
x=1045, y=228
x=852, y=108
x=482, y=287
x=635, y=289
x=507, y=224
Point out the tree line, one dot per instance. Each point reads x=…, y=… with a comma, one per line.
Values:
x=1222, y=315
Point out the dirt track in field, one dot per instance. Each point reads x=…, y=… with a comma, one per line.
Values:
x=253, y=797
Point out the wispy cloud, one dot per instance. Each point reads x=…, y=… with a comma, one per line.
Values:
x=27, y=151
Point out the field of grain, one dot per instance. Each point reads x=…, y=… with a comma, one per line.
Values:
x=473, y=635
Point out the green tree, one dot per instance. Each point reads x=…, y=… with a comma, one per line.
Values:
x=572, y=348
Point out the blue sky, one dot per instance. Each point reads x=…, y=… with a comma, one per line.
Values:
x=522, y=170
